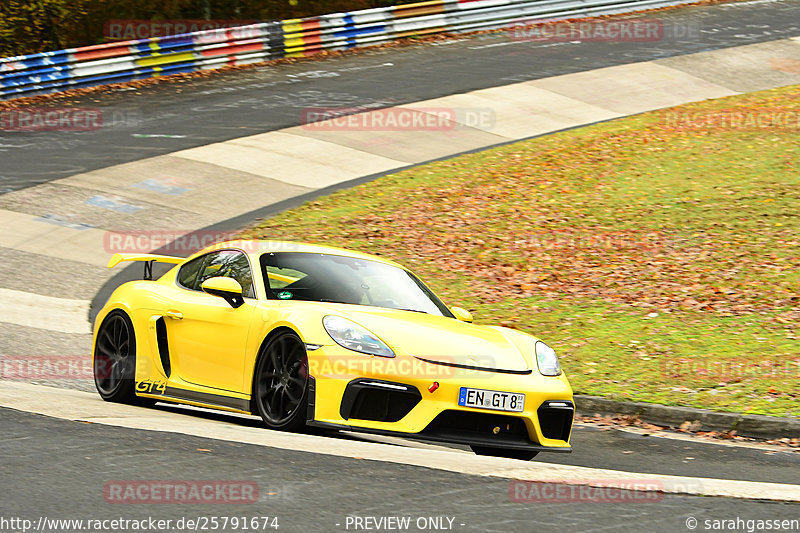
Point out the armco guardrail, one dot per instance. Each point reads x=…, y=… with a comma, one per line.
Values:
x=160, y=56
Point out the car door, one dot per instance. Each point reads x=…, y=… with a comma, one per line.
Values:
x=207, y=337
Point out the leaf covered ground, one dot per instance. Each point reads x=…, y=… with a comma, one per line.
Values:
x=658, y=253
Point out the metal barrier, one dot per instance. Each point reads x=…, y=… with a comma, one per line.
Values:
x=160, y=56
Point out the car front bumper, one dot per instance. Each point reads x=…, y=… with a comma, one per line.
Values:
x=409, y=397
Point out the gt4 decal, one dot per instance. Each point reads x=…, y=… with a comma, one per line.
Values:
x=151, y=387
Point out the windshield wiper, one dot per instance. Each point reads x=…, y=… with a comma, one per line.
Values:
x=413, y=310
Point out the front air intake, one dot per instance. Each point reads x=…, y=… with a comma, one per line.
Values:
x=380, y=401
x=555, y=419
x=479, y=428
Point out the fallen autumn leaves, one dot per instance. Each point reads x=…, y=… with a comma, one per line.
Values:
x=628, y=245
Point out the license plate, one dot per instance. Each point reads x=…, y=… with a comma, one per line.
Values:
x=491, y=399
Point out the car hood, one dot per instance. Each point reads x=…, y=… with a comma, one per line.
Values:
x=442, y=339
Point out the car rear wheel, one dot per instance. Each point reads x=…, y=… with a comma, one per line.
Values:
x=281, y=385
x=115, y=358
x=510, y=453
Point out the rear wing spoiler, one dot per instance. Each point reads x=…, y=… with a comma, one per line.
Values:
x=148, y=260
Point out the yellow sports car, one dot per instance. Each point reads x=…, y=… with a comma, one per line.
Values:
x=301, y=335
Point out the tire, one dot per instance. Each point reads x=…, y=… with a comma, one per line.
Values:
x=114, y=361
x=510, y=453
x=280, y=387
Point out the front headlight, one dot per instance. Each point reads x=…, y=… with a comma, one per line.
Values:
x=355, y=337
x=547, y=360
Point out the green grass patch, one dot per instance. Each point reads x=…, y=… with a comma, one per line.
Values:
x=657, y=253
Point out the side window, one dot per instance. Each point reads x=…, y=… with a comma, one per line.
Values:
x=230, y=264
x=187, y=275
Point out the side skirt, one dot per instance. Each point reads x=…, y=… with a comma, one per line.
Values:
x=203, y=399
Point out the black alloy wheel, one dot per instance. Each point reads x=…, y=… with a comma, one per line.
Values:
x=114, y=364
x=281, y=385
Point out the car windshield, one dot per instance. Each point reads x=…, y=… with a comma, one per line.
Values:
x=319, y=277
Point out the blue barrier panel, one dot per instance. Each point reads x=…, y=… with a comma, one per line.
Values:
x=160, y=56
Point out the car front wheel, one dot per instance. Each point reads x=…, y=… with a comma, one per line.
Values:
x=281, y=384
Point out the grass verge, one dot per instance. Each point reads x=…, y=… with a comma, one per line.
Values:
x=657, y=253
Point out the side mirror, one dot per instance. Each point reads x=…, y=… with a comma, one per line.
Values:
x=461, y=314
x=226, y=288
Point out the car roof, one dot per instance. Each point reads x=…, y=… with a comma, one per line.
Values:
x=257, y=247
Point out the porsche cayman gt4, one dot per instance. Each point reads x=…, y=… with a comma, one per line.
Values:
x=301, y=334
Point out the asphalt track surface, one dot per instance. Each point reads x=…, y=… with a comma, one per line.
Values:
x=140, y=123
x=306, y=492
x=612, y=449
